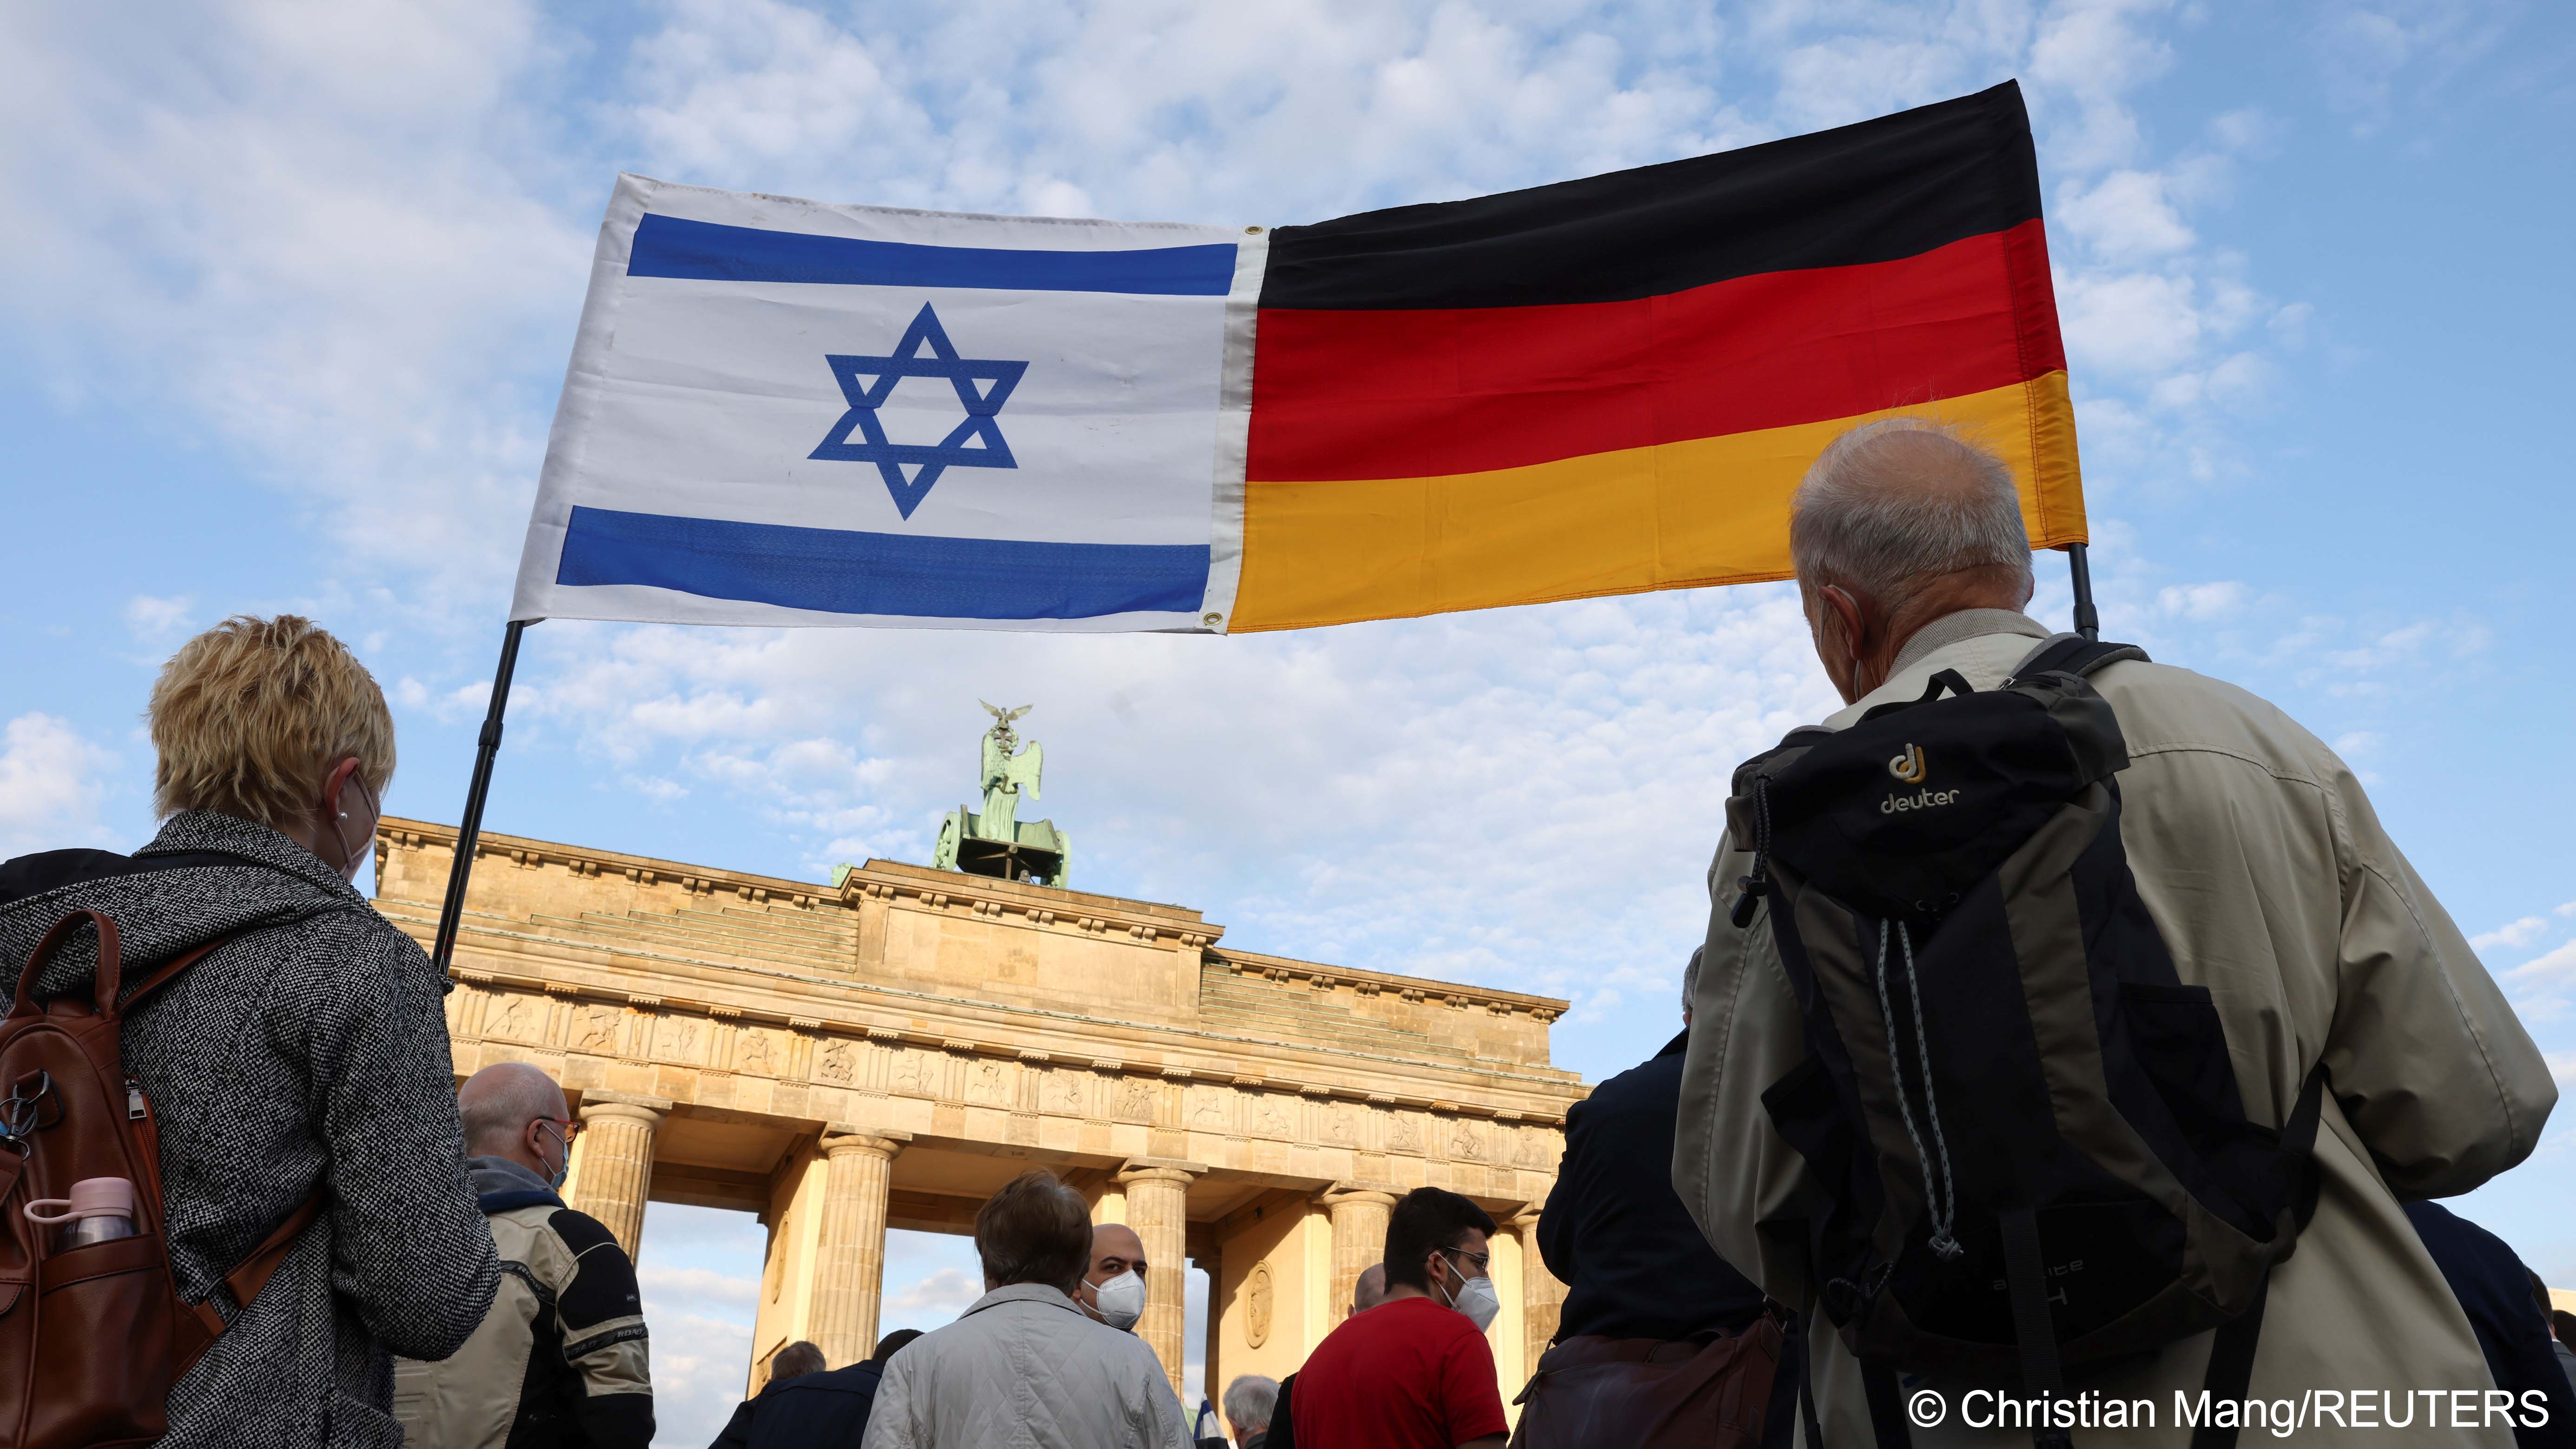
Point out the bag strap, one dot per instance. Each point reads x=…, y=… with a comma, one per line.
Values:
x=2073, y=654
x=103, y=982
x=1807, y=1381
x=252, y=1273
x=2231, y=1368
x=2034, y=1332
x=1886, y=1414
x=169, y=970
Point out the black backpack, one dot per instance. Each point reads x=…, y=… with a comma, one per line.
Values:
x=2026, y=1128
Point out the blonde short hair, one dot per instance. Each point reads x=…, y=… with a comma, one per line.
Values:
x=249, y=717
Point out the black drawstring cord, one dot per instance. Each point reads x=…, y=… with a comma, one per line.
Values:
x=1759, y=882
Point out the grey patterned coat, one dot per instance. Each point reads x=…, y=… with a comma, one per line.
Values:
x=309, y=1052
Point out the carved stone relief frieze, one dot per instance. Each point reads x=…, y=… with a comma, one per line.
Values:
x=594, y=1029
x=1061, y=1093
x=1404, y=1133
x=519, y=1020
x=914, y=1074
x=1207, y=1109
x=1271, y=1117
x=676, y=1038
x=1341, y=1125
x=1466, y=1141
x=988, y=1084
x=757, y=1052
x=1135, y=1101
x=837, y=1063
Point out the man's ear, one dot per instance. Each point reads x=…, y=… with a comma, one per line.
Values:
x=1844, y=611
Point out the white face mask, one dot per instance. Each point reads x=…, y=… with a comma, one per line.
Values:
x=1120, y=1301
x=351, y=855
x=1476, y=1299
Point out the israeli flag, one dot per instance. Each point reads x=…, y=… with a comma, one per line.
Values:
x=784, y=412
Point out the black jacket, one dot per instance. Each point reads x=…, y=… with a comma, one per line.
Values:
x=2494, y=1289
x=1614, y=1231
x=828, y=1408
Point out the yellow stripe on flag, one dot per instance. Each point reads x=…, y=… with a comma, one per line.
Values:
x=1678, y=515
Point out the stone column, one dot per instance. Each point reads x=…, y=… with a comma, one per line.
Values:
x=1212, y=1347
x=612, y=1163
x=1359, y=1238
x=849, y=1267
x=1542, y=1297
x=1158, y=1192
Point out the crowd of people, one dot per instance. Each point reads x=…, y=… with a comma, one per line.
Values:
x=2321, y=1055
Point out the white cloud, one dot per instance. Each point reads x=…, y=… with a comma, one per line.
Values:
x=2562, y=1069
x=2513, y=934
x=2203, y=603
x=281, y=218
x=156, y=621
x=2546, y=969
x=52, y=787
x=698, y=1289
x=699, y=1372
x=2127, y=214
x=941, y=1296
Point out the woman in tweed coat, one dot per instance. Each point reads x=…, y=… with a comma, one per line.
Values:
x=308, y=1053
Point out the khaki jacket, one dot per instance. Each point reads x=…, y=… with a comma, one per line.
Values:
x=2274, y=886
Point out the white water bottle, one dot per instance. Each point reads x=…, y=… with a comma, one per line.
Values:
x=99, y=1209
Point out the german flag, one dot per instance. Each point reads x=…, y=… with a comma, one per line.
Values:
x=1612, y=385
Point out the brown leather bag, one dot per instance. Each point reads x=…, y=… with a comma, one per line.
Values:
x=92, y=1338
x=1592, y=1392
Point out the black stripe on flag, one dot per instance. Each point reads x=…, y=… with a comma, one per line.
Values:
x=1894, y=187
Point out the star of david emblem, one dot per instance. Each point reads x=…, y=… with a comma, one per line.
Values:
x=928, y=459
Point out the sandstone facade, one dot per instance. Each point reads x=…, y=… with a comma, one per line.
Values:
x=886, y=1053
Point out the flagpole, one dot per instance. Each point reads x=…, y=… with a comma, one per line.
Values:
x=2087, y=622
x=470, y=828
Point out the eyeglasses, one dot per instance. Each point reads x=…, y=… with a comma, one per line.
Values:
x=1481, y=1260
x=564, y=1127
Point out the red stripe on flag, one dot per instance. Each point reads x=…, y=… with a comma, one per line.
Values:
x=1407, y=394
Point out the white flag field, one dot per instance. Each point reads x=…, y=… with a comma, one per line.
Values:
x=786, y=412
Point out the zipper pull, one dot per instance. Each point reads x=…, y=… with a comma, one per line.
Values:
x=135, y=1107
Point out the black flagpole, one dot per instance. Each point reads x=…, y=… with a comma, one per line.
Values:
x=470, y=829
x=2087, y=623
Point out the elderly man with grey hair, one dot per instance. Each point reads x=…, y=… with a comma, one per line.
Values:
x=1248, y=1402
x=2273, y=885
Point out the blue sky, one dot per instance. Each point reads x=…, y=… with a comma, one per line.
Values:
x=290, y=290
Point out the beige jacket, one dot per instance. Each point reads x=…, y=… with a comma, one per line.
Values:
x=2273, y=884
x=562, y=1360
x=1023, y=1368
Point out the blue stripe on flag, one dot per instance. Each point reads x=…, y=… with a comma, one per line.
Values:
x=839, y=572
x=669, y=246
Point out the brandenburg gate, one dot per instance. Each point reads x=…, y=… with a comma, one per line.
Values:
x=887, y=1051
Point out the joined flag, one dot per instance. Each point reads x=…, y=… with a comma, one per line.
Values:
x=784, y=412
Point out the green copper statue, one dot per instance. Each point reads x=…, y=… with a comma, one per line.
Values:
x=995, y=841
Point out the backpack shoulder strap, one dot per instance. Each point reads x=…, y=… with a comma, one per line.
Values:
x=2072, y=654
x=168, y=971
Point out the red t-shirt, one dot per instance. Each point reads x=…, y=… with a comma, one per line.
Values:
x=1407, y=1374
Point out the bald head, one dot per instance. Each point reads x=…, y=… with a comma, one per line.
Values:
x=1370, y=1291
x=503, y=1105
x=1115, y=1249
x=1899, y=523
